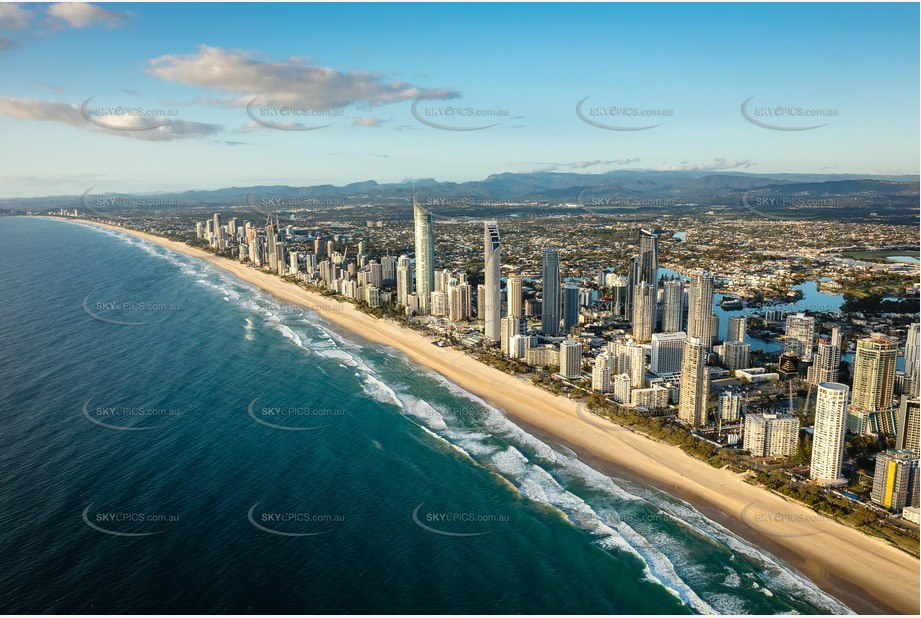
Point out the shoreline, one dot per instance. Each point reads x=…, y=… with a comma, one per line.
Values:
x=865, y=573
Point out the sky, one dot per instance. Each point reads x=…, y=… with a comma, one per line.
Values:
x=150, y=97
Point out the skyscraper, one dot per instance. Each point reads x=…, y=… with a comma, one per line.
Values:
x=601, y=372
x=874, y=372
x=644, y=314
x=700, y=308
x=895, y=480
x=799, y=334
x=667, y=352
x=695, y=383
x=570, y=358
x=570, y=306
x=672, y=306
x=515, y=300
x=492, y=271
x=771, y=435
x=425, y=255
x=827, y=361
x=909, y=424
x=828, y=436
x=633, y=275
x=404, y=280
x=550, y=307
x=735, y=331
x=649, y=257
x=912, y=362
x=736, y=355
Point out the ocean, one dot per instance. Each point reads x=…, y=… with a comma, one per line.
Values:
x=176, y=441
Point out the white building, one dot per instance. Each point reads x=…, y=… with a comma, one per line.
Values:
x=828, y=438
x=570, y=359
x=667, y=352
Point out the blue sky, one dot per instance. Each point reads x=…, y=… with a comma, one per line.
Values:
x=854, y=67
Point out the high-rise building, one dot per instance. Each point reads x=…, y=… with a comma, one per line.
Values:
x=667, y=352
x=649, y=273
x=570, y=306
x=601, y=372
x=621, y=385
x=515, y=299
x=695, y=382
x=425, y=254
x=629, y=358
x=827, y=361
x=644, y=313
x=828, y=436
x=874, y=372
x=492, y=272
x=633, y=275
x=700, y=308
x=771, y=435
x=509, y=327
x=912, y=362
x=550, y=307
x=909, y=424
x=799, y=334
x=404, y=280
x=736, y=355
x=672, y=306
x=735, y=331
x=459, y=302
x=895, y=480
x=571, y=359
x=729, y=407
x=619, y=295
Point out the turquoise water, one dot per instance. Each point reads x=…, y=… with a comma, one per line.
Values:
x=264, y=463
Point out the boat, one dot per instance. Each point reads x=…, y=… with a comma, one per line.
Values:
x=730, y=302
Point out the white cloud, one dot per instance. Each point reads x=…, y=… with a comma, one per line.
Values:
x=162, y=129
x=83, y=14
x=717, y=164
x=14, y=17
x=367, y=121
x=293, y=82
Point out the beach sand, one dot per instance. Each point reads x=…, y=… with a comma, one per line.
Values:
x=865, y=573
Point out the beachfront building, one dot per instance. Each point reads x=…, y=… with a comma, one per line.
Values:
x=644, y=310
x=895, y=480
x=874, y=372
x=648, y=399
x=828, y=437
x=601, y=372
x=550, y=282
x=695, y=383
x=771, y=435
x=425, y=255
x=571, y=359
x=492, y=272
x=509, y=327
x=620, y=386
x=629, y=358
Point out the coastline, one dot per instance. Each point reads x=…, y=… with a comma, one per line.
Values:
x=865, y=573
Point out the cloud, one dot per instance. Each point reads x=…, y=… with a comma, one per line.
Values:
x=136, y=127
x=83, y=14
x=13, y=17
x=367, y=121
x=7, y=43
x=717, y=164
x=293, y=82
x=581, y=165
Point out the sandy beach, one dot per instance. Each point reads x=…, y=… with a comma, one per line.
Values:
x=865, y=573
